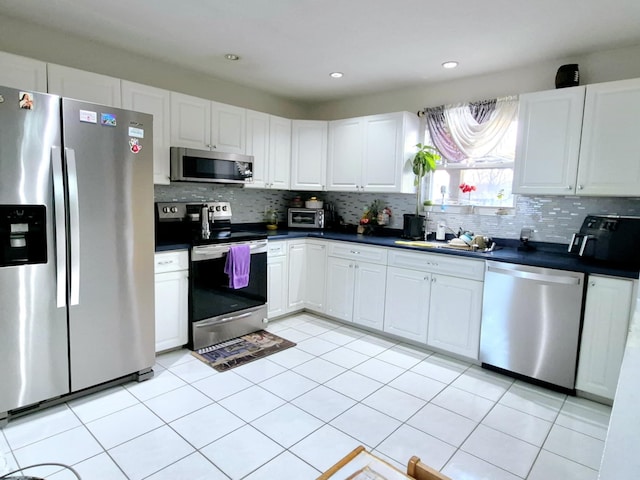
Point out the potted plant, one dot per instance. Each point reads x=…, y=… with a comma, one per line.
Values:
x=423, y=163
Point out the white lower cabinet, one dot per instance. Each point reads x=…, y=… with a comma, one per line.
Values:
x=604, y=333
x=316, y=274
x=277, y=279
x=171, y=292
x=369, y=289
x=435, y=299
x=340, y=280
x=356, y=283
x=297, y=253
x=455, y=315
x=407, y=306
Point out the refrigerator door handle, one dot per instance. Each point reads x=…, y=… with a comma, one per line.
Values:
x=59, y=208
x=74, y=225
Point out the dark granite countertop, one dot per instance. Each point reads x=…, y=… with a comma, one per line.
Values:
x=165, y=247
x=549, y=255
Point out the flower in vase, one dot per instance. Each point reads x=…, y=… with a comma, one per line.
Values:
x=466, y=188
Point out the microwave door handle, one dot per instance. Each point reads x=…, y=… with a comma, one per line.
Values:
x=74, y=225
x=60, y=230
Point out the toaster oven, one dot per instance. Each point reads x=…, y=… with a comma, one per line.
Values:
x=306, y=218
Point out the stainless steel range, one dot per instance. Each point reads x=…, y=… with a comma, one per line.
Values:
x=217, y=311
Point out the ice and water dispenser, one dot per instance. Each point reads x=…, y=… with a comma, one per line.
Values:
x=23, y=235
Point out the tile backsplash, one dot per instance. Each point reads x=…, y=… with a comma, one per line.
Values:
x=553, y=219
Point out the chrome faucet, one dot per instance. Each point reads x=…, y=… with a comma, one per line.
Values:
x=204, y=222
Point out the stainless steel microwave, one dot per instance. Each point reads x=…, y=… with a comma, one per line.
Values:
x=191, y=165
x=306, y=218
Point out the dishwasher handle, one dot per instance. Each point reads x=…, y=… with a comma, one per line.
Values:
x=541, y=277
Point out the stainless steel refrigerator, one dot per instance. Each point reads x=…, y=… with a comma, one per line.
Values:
x=76, y=247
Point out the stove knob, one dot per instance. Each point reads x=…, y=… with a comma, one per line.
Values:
x=224, y=208
x=165, y=209
x=174, y=209
x=218, y=208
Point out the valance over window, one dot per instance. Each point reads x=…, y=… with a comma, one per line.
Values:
x=470, y=130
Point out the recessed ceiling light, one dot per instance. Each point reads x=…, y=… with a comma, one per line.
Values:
x=232, y=56
x=451, y=64
x=336, y=74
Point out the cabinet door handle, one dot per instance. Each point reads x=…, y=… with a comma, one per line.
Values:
x=165, y=262
x=569, y=187
x=580, y=187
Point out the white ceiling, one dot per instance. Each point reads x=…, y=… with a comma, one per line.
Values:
x=289, y=47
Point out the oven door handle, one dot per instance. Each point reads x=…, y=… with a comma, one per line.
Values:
x=211, y=252
x=223, y=320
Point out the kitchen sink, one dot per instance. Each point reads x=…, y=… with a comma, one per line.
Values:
x=443, y=245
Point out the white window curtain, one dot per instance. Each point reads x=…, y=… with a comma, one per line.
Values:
x=470, y=130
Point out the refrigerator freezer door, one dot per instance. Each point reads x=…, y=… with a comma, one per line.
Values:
x=109, y=161
x=33, y=328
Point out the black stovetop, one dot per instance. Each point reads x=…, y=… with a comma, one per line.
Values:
x=227, y=236
x=185, y=232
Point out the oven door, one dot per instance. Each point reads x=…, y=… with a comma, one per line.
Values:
x=216, y=311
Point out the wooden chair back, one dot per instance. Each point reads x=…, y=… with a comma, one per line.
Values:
x=421, y=471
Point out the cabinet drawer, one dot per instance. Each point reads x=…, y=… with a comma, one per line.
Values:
x=436, y=263
x=276, y=249
x=171, y=261
x=355, y=251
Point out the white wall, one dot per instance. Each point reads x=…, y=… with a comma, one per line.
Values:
x=597, y=67
x=56, y=47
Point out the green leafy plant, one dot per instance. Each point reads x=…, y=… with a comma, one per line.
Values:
x=425, y=161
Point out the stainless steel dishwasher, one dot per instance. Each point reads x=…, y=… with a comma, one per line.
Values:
x=531, y=321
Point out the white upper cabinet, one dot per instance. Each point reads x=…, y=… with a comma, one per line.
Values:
x=346, y=147
x=269, y=141
x=609, y=157
x=156, y=102
x=370, y=154
x=565, y=149
x=205, y=125
x=279, y=152
x=21, y=72
x=85, y=86
x=548, y=146
x=258, y=146
x=190, y=121
x=228, y=131
x=309, y=155
x=390, y=141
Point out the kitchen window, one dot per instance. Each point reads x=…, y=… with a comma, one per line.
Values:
x=484, y=178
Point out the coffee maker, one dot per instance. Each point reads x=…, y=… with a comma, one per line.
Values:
x=612, y=239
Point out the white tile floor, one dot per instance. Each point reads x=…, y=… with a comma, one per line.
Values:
x=293, y=414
